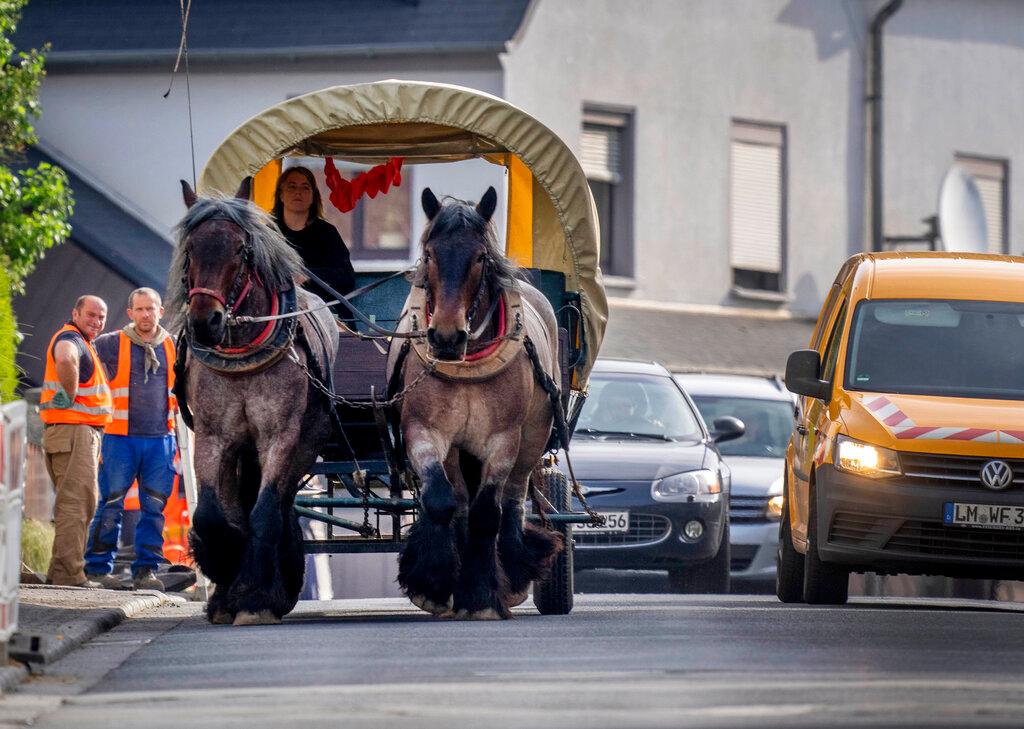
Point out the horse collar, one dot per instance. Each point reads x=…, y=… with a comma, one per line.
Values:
x=263, y=351
x=484, y=364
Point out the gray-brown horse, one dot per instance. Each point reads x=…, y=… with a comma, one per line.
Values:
x=473, y=443
x=258, y=423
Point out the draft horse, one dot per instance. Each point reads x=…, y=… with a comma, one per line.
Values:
x=258, y=422
x=473, y=441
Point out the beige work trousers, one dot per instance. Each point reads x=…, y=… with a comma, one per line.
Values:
x=72, y=459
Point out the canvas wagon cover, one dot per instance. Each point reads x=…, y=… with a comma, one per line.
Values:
x=426, y=122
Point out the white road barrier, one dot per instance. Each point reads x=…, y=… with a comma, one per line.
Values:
x=12, y=496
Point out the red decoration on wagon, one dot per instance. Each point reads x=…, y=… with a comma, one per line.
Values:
x=345, y=194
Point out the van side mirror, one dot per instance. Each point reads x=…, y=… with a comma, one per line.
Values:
x=727, y=428
x=803, y=370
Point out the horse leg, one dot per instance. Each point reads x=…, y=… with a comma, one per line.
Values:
x=259, y=591
x=481, y=581
x=526, y=551
x=429, y=564
x=216, y=540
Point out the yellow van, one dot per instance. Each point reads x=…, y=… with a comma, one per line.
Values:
x=908, y=453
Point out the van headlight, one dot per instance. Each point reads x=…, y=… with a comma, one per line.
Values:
x=689, y=486
x=773, y=510
x=865, y=459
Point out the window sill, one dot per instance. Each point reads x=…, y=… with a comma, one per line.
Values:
x=623, y=283
x=773, y=297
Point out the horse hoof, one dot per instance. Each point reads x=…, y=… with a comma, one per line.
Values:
x=222, y=617
x=434, y=608
x=485, y=614
x=517, y=598
x=263, y=617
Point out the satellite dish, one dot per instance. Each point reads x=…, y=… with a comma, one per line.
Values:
x=961, y=214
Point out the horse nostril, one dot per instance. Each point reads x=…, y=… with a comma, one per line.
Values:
x=215, y=319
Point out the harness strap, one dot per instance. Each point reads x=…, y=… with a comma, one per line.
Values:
x=559, y=428
x=180, y=374
x=207, y=292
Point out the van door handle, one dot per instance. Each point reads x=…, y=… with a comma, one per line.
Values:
x=801, y=429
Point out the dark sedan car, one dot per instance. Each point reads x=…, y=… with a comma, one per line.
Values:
x=649, y=465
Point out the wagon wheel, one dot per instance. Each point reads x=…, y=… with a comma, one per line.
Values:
x=553, y=595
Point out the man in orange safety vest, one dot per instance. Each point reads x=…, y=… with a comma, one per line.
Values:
x=75, y=405
x=139, y=442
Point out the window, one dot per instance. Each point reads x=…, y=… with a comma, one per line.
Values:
x=606, y=156
x=832, y=351
x=757, y=205
x=951, y=348
x=375, y=229
x=990, y=176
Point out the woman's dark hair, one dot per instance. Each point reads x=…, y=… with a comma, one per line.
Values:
x=316, y=210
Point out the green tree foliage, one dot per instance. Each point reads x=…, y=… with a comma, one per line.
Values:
x=35, y=204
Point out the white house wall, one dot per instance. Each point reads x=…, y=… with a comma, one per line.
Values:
x=688, y=67
x=953, y=73
x=116, y=127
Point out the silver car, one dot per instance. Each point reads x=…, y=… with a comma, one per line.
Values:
x=756, y=459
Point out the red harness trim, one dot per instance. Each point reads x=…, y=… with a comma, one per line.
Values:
x=490, y=348
x=264, y=335
x=208, y=292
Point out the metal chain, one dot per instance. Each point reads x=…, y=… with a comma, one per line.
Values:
x=324, y=390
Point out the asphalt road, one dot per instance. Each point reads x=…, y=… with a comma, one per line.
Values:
x=617, y=661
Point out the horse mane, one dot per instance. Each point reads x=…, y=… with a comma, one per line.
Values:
x=454, y=217
x=273, y=259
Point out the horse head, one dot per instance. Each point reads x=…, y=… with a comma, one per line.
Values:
x=227, y=247
x=458, y=268
x=216, y=250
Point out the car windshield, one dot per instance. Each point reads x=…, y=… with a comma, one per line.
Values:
x=767, y=423
x=638, y=405
x=953, y=348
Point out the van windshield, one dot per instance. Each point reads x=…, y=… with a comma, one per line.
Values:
x=971, y=349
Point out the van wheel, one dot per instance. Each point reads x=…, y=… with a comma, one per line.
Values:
x=709, y=578
x=789, y=563
x=824, y=583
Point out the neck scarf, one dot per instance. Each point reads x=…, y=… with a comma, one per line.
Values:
x=152, y=362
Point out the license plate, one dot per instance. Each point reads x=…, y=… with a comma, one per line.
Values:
x=614, y=522
x=983, y=515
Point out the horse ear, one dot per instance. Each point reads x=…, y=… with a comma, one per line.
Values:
x=430, y=204
x=188, y=194
x=487, y=204
x=245, y=189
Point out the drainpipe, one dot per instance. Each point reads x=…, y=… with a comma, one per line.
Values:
x=875, y=99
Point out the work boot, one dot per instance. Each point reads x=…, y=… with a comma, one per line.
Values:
x=144, y=579
x=107, y=581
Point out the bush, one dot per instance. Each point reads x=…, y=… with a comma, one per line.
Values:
x=8, y=340
x=36, y=545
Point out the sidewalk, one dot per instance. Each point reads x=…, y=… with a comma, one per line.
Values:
x=53, y=621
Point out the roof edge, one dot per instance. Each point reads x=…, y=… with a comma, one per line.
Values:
x=56, y=60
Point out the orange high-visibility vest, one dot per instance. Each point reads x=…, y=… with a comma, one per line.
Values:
x=92, y=405
x=120, y=385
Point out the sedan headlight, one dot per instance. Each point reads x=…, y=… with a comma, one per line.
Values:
x=690, y=486
x=773, y=510
x=865, y=459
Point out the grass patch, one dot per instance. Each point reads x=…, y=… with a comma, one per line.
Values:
x=36, y=544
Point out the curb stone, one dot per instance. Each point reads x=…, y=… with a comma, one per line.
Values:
x=29, y=650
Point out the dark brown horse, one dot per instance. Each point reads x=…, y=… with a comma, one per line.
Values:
x=258, y=423
x=473, y=440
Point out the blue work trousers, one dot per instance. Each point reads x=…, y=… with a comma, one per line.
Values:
x=124, y=459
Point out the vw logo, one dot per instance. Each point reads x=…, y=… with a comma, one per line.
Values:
x=997, y=475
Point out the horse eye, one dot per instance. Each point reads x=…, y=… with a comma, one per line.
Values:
x=481, y=258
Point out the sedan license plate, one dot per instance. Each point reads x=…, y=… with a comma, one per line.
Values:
x=614, y=522
x=988, y=516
